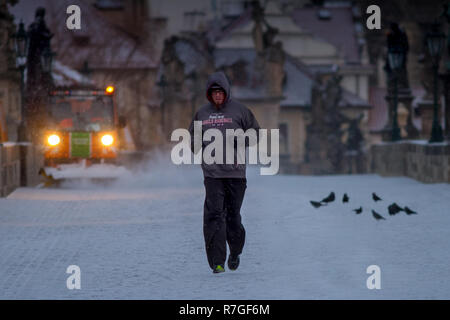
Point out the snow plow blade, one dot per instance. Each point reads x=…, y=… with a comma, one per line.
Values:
x=102, y=174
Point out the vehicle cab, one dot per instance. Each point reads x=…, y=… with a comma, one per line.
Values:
x=81, y=124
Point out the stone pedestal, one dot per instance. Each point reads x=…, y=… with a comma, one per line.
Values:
x=426, y=114
x=408, y=131
x=406, y=98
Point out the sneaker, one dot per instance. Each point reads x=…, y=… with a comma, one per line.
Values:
x=219, y=269
x=233, y=262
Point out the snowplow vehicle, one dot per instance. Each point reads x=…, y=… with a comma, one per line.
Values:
x=82, y=134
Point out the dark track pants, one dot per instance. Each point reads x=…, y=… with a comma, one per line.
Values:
x=222, y=218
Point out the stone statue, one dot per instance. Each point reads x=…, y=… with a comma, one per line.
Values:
x=173, y=66
x=274, y=68
x=257, y=31
x=354, y=146
x=333, y=121
x=355, y=137
x=333, y=94
x=169, y=52
x=270, y=56
x=325, y=148
x=39, y=40
x=38, y=83
x=269, y=35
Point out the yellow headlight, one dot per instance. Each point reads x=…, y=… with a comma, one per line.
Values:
x=107, y=140
x=109, y=89
x=53, y=140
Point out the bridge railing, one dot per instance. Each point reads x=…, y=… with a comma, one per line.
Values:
x=429, y=163
x=9, y=168
x=19, y=166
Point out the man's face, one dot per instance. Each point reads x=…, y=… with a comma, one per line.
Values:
x=218, y=96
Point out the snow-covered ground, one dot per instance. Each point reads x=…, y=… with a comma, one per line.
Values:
x=142, y=239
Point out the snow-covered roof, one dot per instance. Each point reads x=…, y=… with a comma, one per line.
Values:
x=192, y=58
x=99, y=42
x=248, y=86
x=298, y=84
x=299, y=79
x=339, y=30
x=216, y=32
x=349, y=99
x=64, y=76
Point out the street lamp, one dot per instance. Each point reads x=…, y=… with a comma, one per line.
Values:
x=46, y=65
x=21, y=42
x=435, y=40
x=396, y=57
x=46, y=60
x=21, y=46
x=162, y=83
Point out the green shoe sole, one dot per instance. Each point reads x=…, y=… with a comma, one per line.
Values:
x=219, y=269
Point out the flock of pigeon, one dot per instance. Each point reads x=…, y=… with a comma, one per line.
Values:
x=393, y=209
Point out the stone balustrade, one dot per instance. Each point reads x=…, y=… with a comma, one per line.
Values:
x=19, y=166
x=429, y=163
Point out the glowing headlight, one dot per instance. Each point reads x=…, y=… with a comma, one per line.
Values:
x=53, y=140
x=109, y=89
x=107, y=140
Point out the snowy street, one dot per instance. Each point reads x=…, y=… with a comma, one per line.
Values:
x=142, y=239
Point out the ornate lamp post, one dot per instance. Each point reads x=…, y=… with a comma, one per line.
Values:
x=47, y=64
x=21, y=47
x=435, y=40
x=162, y=83
x=46, y=60
x=396, y=58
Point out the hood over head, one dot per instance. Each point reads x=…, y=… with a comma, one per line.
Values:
x=218, y=79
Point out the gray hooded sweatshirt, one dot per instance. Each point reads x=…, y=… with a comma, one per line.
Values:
x=230, y=115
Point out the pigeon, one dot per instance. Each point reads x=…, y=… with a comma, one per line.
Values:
x=377, y=216
x=345, y=198
x=330, y=198
x=358, y=211
x=375, y=197
x=409, y=211
x=394, y=209
x=316, y=204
